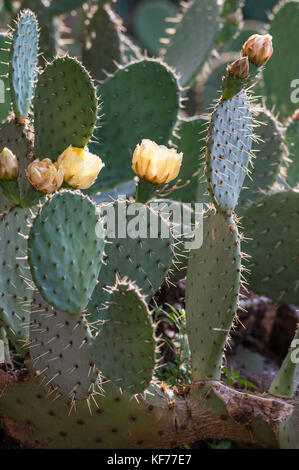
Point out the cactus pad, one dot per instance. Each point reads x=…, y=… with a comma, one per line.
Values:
x=5, y=99
x=271, y=227
x=228, y=150
x=59, y=351
x=282, y=69
x=213, y=284
x=23, y=61
x=49, y=33
x=102, y=46
x=292, y=141
x=286, y=382
x=65, y=107
x=141, y=258
x=200, y=20
x=134, y=110
x=190, y=184
x=268, y=153
x=124, y=350
x=16, y=288
x=65, y=253
x=18, y=139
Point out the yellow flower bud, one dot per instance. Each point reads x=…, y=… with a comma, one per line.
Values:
x=156, y=163
x=9, y=165
x=258, y=48
x=80, y=167
x=44, y=176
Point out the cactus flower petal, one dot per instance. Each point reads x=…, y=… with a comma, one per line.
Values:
x=156, y=163
x=9, y=165
x=258, y=48
x=44, y=176
x=80, y=167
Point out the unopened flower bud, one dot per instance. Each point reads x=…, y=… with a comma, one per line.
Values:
x=9, y=165
x=258, y=48
x=44, y=176
x=80, y=167
x=239, y=68
x=156, y=163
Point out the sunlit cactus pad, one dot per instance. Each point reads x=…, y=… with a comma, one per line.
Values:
x=134, y=110
x=65, y=108
x=23, y=60
x=228, y=150
x=141, y=258
x=65, y=252
x=268, y=151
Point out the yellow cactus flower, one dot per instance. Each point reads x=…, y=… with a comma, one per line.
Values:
x=258, y=48
x=9, y=165
x=44, y=176
x=156, y=163
x=80, y=167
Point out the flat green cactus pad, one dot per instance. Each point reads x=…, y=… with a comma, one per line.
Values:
x=286, y=382
x=134, y=110
x=191, y=185
x=271, y=229
x=23, y=61
x=18, y=139
x=213, y=284
x=281, y=72
x=49, y=33
x=65, y=108
x=228, y=150
x=141, y=249
x=268, y=151
x=102, y=47
x=5, y=98
x=65, y=252
x=193, y=39
x=60, y=7
x=292, y=141
x=16, y=287
x=289, y=431
x=124, y=350
x=59, y=350
x=149, y=23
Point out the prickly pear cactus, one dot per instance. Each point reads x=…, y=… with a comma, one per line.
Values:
x=55, y=251
x=78, y=280
x=212, y=293
x=198, y=19
x=292, y=141
x=270, y=226
x=65, y=108
x=4, y=70
x=23, y=61
x=228, y=150
x=134, y=110
x=280, y=75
